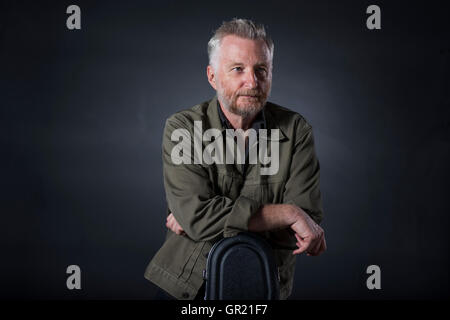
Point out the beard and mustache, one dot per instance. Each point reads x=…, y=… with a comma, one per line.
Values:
x=255, y=99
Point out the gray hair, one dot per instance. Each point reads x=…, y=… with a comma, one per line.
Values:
x=242, y=28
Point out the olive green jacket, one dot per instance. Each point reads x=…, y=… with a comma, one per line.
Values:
x=214, y=201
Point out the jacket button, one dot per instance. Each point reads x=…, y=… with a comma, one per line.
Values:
x=185, y=295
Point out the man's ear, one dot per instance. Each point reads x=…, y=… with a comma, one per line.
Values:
x=211, y=76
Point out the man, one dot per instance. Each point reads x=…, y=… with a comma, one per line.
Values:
x=210, y=201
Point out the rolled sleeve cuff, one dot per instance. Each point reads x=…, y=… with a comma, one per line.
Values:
x=239, y=216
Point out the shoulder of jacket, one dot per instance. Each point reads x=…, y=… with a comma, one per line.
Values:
x=186, y=117
x=287, y=118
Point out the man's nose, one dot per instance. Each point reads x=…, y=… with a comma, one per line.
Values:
x=251, y=81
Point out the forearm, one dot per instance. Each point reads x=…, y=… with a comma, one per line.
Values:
x=272, y=217
x=310, y=236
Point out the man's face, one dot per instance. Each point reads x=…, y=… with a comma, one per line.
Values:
x=242, y=75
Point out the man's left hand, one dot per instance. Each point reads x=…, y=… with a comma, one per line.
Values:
x=173, y=225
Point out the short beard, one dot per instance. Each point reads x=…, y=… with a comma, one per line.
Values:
x=230, y=103
x=245, y=113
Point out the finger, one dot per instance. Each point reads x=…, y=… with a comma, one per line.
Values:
x=317, y=238
x=173, y=223
x=300, y=247
x=323, y=246
x=169, y=223
x=171, y=218
x=299, y=239
x=315, y=246
x=173, y=226
x=299, y=251
x=304, y=244
x=297, y=243
x=177, y=225
x=301, y=243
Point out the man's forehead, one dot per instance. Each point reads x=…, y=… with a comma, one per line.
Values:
x=237, y=48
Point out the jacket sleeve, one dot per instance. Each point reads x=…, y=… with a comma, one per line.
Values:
x=302, y=186
x=203, y=214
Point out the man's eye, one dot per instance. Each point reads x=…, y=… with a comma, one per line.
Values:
x=262, y=71
x=239, y=69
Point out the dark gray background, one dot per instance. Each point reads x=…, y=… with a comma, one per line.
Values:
x=82, y=114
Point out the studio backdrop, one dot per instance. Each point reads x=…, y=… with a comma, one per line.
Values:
x=83, y=109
